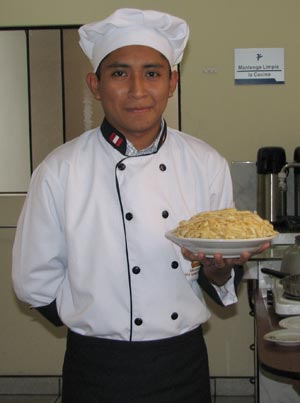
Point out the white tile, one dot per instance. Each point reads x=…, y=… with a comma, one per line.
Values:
x=34, y=385
x=212, y=386
x=234, y=387
x=28, y=399
x=236, y=399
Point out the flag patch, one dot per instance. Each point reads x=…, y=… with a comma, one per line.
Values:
x=117, y=140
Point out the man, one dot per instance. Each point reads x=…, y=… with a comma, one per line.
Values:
x=90, y=250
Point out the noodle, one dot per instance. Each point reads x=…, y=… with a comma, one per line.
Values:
x=225, y=224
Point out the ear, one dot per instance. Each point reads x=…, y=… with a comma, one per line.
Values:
x=93, y=84
x=173, y=82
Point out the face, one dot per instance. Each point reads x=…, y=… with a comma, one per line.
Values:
x=134, y=87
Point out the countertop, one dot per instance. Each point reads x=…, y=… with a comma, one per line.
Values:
x=283, y=360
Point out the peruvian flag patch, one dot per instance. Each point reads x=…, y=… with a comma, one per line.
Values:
x=117, y=140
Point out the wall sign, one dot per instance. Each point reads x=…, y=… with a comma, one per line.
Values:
x=259, y=66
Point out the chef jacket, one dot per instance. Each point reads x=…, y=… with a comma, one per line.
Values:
x=90, y=240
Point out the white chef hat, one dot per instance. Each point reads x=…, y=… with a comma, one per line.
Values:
x=128, y=26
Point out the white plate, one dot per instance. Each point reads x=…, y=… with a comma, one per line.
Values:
x=229, y=248
x=292, y=322
x=287, y=337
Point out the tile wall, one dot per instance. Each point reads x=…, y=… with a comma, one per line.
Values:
x=244, y=179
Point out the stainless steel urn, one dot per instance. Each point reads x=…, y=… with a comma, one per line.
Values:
x=271, y=201
x=297, y=182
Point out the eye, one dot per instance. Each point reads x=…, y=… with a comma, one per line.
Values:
x=119, y=73
x=153, y=74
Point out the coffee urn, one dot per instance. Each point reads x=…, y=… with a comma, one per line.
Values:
x=297, y=181
x=271, y=201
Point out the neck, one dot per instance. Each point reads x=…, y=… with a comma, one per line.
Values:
x=140, y=143
x=118, y=140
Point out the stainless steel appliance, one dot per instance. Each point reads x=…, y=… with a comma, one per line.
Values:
x=283, y=305
x=297, y=181
x=284, y=293
x=271, y=201
x=292, y=220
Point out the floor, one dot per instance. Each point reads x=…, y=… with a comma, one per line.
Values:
x=47, y=389
x=54, y=399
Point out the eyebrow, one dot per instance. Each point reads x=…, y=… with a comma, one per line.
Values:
x=125, y=65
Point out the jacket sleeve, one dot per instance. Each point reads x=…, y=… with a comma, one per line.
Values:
x=39, y=250
x=211, y=290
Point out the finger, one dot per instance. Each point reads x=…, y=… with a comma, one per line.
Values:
x=218, y=260
x=188, y=255
x=201, y=256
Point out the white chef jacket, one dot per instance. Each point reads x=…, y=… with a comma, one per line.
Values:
x=91, y=235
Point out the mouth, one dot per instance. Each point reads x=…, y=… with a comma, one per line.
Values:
x=139, y=109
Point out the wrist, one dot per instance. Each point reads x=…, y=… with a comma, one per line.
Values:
x=218, y=276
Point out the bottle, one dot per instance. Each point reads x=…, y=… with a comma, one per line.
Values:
x=291, y=258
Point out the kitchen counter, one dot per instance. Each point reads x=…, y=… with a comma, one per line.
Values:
x=277, y=248
x=275, y=252
x=283, y=360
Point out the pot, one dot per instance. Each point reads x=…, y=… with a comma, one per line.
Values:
x=290, y=282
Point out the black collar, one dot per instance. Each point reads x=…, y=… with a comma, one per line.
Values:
x=117, y=140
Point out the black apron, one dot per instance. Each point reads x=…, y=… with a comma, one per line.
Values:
x=172, y=370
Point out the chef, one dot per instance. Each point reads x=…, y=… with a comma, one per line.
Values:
x=90, y=250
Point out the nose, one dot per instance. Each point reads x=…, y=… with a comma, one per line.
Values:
x=137, y=86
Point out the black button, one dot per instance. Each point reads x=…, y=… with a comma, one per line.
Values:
x=121, y=166
x=138, y=321
x=174, y=315
x=174, y=264
x=162, y=167
x=165, y=214
x=129, y=216
x=136, y=269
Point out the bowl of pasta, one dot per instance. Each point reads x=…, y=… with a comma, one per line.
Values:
x=229, y=232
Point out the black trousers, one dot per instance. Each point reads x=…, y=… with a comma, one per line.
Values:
x=172, y=370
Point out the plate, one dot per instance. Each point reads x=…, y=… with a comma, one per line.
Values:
x=230, y=248
x=292, y=322
x=284, y=336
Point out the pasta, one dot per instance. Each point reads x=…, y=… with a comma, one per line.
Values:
x=225, y=224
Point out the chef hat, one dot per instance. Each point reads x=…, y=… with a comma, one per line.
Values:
x=128, y=26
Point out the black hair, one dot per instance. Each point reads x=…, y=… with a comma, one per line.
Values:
x=98, y=71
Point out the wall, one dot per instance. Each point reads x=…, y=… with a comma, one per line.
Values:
x=237, y=120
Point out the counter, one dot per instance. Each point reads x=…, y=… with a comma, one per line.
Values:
x=283, y=360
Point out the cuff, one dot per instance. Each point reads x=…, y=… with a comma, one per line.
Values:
x=215, y=292
x=227, y=292
x=50, y=312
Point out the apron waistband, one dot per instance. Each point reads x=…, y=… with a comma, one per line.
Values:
x=168, y=342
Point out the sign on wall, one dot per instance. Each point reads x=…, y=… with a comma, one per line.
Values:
x=259, y=66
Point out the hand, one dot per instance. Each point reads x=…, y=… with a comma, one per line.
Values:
x=218, y=269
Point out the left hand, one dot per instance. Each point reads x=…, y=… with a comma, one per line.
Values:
x=218, y=269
